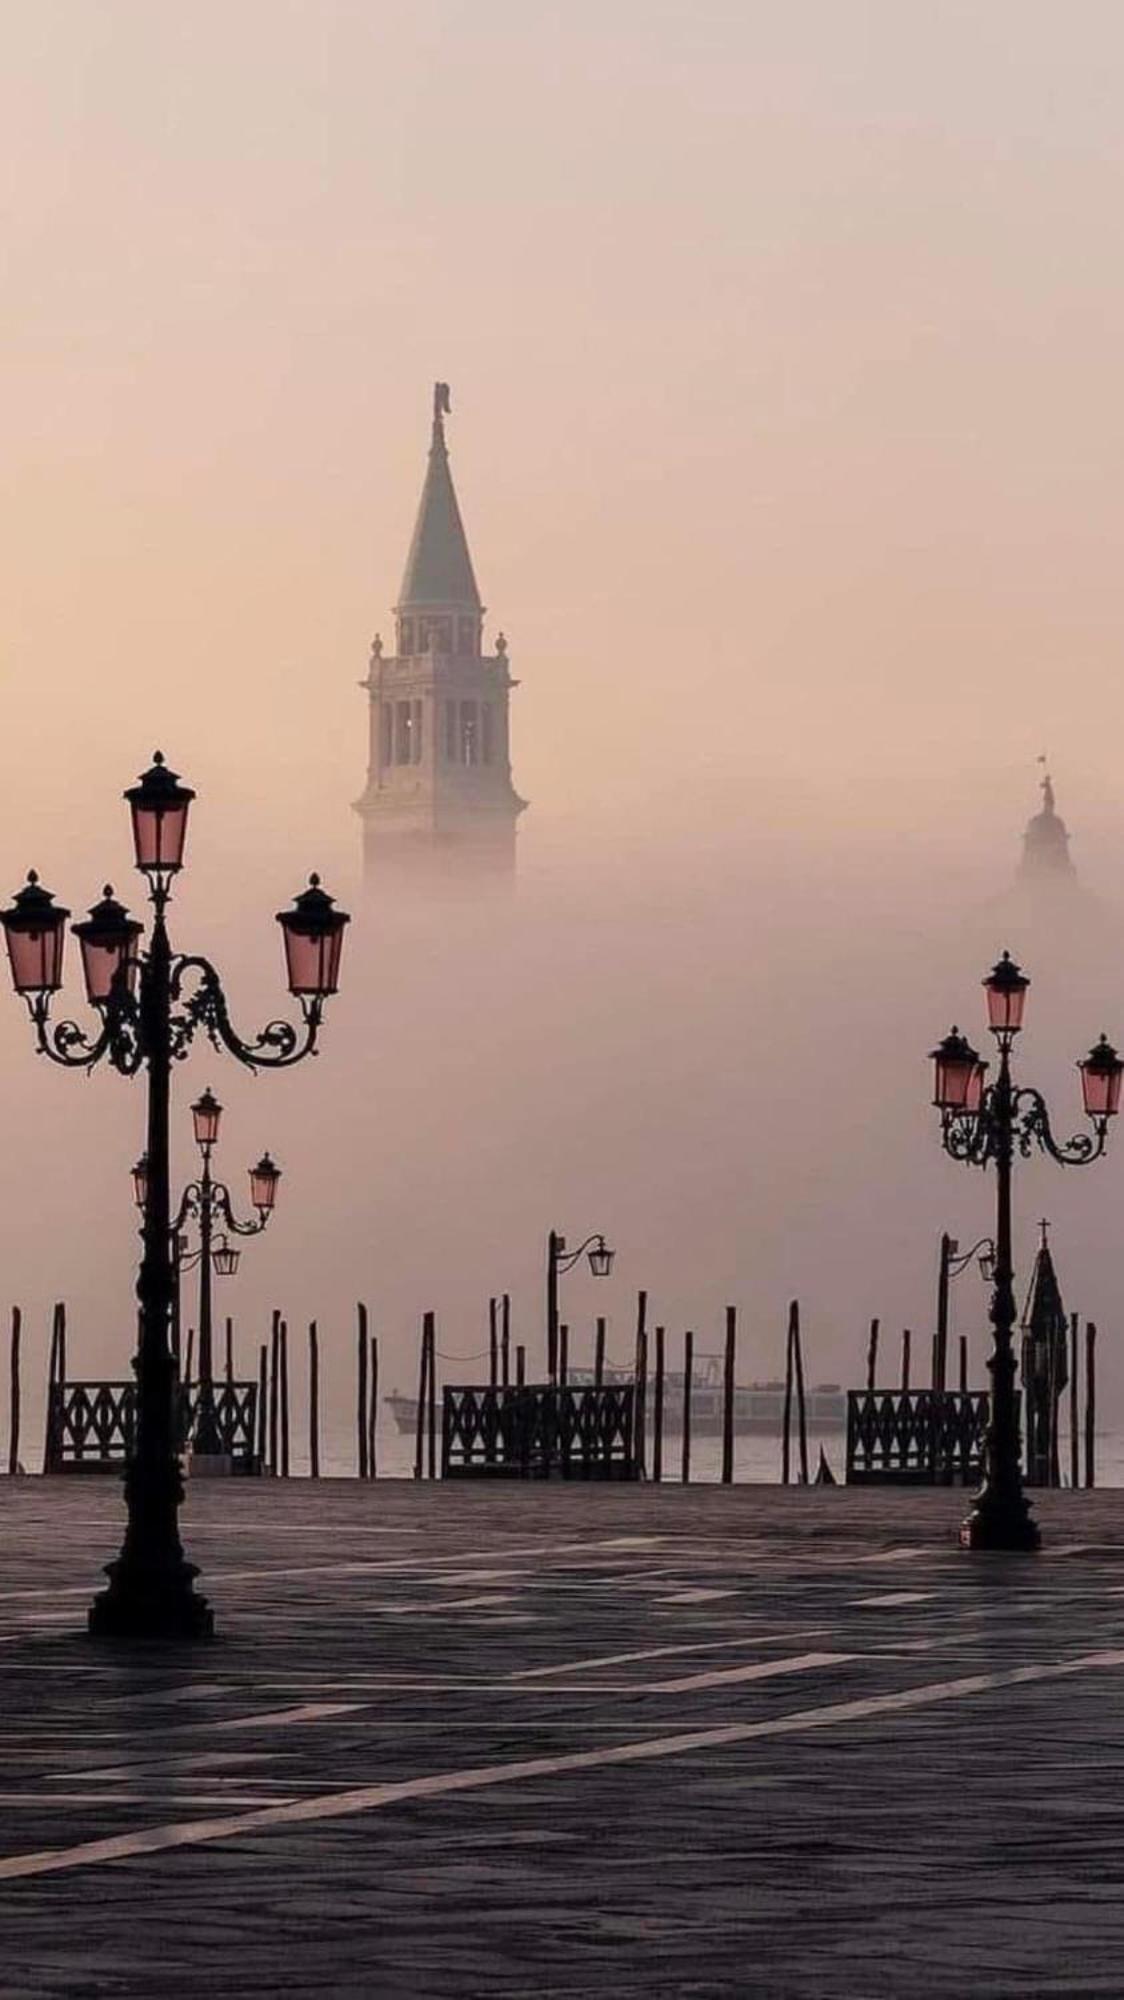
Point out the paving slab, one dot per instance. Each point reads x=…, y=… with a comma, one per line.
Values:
x=566, y=1740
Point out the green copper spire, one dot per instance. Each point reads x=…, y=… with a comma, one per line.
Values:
x=439, y=567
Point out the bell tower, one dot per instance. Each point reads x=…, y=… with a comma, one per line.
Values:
x=439, y=801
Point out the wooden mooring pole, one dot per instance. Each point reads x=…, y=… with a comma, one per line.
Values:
x=14, y=1397
x=431, y=1325
x=423, y=1378
x=688, y=1385
x=274, y=1372
x=313, y=1401
x=520, y=1366
x=599, y=1355
x=284, y=1351
x=505, y=1340
x=728, y=1396
x=230, y=1353
x=872, y=1356
x=640, y=1366
x=963, y=1364
x=657, y=1409
x=1074, y=1468
x=801, y=1410
x=493, y=1346
x=1090, y=1401
x=373, y=1412
x=263, y=1392
x=361, y=1391
x=907, y=1339
x=563, y=1355
x=786, y=1436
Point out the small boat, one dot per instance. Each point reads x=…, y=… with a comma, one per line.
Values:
x=758, y=1406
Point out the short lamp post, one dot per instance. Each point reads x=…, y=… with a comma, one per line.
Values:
x=206, y=1202
x=953, y=1261
x=558, y=1260
x=982, y=1123
x=150, y=1003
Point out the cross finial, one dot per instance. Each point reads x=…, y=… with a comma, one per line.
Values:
x=1044, y=1226
x=442, y=407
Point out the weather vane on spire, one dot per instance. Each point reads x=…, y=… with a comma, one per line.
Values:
x=1047, y=785
x=442, y=408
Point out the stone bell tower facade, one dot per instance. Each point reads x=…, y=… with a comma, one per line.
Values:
x=439, y=802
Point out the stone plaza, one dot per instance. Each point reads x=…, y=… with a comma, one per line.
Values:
x=559, y=1739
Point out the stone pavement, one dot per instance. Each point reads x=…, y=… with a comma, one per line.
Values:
x=560, y=1740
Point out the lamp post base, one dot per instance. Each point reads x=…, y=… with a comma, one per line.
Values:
x=996, y=1523
x=156, y=1605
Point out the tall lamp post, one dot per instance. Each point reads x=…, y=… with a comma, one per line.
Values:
x=982, y=1122
x=953, y=1261
x=558, y=1260
x=206, y=1202
x=150, y=1003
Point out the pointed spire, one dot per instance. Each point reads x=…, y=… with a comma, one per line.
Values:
x=439, y=568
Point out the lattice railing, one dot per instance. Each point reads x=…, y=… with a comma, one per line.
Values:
x=536, y=1432
x=915, y=1437
x=91, y=1425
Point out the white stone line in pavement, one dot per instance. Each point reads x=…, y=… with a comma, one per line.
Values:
x=371, y=1798
x=419, y=1565
x=666, y=1652
x=891, y=1597
x=757, y=1670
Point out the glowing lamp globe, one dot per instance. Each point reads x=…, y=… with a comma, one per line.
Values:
x=1005, y=987
x=958, y=1075
x=107, y=939
x=263, y=1185
x=206, y=1116
x=159, y=804
x=1101, y=1072
x=34, y=930
x=313, y=931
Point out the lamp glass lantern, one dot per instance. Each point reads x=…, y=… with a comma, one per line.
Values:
x=601, y=1258
x=225, y=1259
x=206, y=1116
x=140, y=1182
x=1101, y=1072
x=35, y=932
x=1005, y=987
x=159, y=806
x=107, y=938
x=958, y=1075
x=263, y=1185
x=313, y=932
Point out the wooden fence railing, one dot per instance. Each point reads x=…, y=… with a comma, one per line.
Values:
x=91, y=1425
x=539, y=1432
x=915, y=1437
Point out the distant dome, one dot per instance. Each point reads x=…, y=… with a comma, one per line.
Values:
x=1046, y=843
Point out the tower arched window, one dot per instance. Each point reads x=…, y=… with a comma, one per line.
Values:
x=386, y=734
x=469, y=733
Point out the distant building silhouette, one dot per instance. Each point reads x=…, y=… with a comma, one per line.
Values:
x=439, y=801
x=1045, y=858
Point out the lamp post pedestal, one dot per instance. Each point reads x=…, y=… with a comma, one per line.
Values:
x=1001, y=1516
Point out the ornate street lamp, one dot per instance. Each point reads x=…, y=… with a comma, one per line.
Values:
x=151, y=1004
x=559, y=1259
x=982, y=1123
x=205, y=1202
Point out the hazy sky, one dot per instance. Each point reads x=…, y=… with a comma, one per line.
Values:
x=784, y=345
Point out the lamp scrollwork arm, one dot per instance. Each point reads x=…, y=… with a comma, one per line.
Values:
x=1033, y=1128
x=279, y=1044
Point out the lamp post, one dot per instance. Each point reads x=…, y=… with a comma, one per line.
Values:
x=206, y=1201
x=558, y=1260
x=983, y=1122
x=150, y=1004
x=953, y=1262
